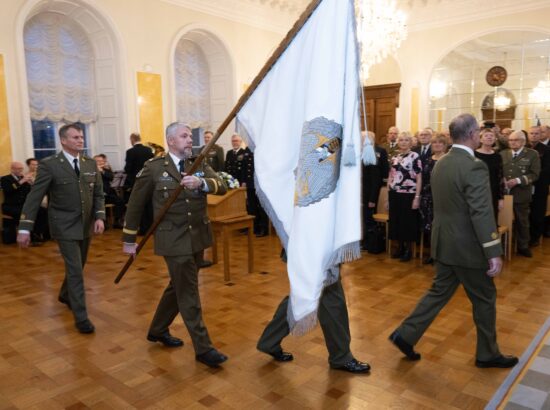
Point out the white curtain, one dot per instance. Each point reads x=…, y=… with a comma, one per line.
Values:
x=60, y=70
x=192, y=85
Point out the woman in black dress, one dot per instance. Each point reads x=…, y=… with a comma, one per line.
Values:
x=439, y=148
x=404, y=185
x=487, y=154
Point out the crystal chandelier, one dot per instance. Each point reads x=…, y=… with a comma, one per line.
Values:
x=501, y=102
x=541, y=94
x=381, y=28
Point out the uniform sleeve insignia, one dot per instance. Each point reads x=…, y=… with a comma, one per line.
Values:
x=139, y=173
x=494, y=235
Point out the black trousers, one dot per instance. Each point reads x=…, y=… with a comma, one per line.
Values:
x=539, y=204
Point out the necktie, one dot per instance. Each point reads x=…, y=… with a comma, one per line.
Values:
x=76, y=170
x=424, y=149
x=181, y=165
x=515, y=155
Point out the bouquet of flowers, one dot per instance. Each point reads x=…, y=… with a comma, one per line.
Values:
x=229, y=180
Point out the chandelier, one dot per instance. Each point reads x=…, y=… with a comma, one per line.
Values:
x=501, y=102
x=541, y=94
x=381, y=28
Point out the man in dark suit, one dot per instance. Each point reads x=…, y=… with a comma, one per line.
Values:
x=135, y=158
x=372, y=181
x=521, y=168
x=465, y=246
x=539, y=200
x=239, y=163
x=180, y=238
x=73, y=184
x=424, y=148
x=16, y=187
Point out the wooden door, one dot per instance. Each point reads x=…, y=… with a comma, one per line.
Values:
x=381, y=102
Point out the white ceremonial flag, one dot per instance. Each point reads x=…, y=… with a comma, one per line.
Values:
x=302, y=123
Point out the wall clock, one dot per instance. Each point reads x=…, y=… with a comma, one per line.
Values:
x=496, y=76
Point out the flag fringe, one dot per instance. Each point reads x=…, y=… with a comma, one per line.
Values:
x=347, y=253
x=302, y=326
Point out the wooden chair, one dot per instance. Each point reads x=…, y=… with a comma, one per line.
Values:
x=505, y=222
x=381, y=215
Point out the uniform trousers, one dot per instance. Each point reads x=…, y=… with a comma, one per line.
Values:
x=334, y=321
x=74, y=254
x=182, y=296
x=521, y=224
x=481, y=291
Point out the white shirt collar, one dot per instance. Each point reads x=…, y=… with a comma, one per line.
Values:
x=175, y=159
x=465, y=148
x=71, y=159
x=517, y=152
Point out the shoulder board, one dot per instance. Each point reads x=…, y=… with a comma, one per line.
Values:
x=156, y=158
x=87, y=158
x=48, y=158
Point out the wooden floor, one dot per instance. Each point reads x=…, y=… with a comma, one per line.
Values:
x=46, y=364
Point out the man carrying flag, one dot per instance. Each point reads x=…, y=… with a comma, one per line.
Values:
x=310, y=99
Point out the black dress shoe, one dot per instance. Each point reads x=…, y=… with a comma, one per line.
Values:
x=64, y=301
x=212, y=358
x=85, y=326
x=428, y=261
x=525, y=252
x=354, y=366
x=405, y=348
x=282, y=356
x=205, y=264
x=501, y=361
x=166, y=339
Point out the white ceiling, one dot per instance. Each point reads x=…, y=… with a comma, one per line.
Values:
x=279, y=15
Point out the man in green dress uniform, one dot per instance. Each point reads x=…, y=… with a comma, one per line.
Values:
x=181, y=237
x=76, y=207
x=465, y=246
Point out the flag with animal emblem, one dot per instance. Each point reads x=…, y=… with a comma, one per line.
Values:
x=303, y=124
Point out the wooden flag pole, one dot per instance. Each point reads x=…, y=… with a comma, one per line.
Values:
x=240, y=103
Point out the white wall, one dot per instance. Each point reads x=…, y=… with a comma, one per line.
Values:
x=146, y=30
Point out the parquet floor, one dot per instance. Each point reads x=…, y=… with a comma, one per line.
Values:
x=46, y=364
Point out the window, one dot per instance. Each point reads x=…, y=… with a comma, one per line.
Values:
x=46, y=140
x=60, y=75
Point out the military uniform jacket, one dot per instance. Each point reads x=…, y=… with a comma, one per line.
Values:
x=215, y=158
x=391, y=151
x=526, y=167
x=185, y=229
x=14, y=193
x=464, y=232
x=240, y=165
x=74, y=202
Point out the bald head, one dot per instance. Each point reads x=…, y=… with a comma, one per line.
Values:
x=17, y=168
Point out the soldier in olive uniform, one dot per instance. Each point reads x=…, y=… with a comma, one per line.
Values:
x=215, y=156
x=465, y=246
x=240, y=164
x=181, y=237
x=391, y=142
x=521, y=168
x=76, y=206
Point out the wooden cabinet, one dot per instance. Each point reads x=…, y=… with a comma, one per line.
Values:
x=381, y=101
